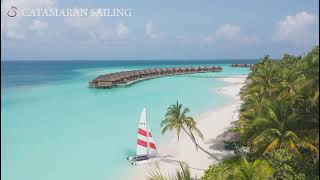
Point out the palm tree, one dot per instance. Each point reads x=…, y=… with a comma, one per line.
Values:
x=181, y=174
x=157, y=175
x=258, y=170
x=176, y=118
x=291, y=83
x=264, y=80
x=277, y=128
x=273, y=129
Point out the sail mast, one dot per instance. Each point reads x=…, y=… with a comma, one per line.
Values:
x=147, y=132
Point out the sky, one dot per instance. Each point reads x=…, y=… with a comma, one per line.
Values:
x=162, y=30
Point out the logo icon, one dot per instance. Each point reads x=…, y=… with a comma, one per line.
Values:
x=12, y=12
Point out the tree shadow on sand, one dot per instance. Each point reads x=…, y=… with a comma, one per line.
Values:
x=177, y=163
x=168, y=159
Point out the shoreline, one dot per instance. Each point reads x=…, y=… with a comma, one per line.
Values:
x=172, y=151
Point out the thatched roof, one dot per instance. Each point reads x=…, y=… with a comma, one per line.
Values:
x=114, y=78
x=129, y=74
x=153, y=70
x=172, y=69
x=158, y=70
x=139, y=72
x=134, y=73
x=147, y=71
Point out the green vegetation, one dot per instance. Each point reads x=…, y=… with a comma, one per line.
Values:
x=259, y=169
x=239, y=168
x=279, y=122
x=176, y=118
x=181, y=174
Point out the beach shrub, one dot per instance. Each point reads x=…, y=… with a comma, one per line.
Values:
x=284, y=164
x=237, y=168
x=256, y=170
x=224, y=171
x=183, y=173
x=219, y=171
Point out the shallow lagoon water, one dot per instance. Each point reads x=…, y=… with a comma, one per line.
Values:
x=64, y=130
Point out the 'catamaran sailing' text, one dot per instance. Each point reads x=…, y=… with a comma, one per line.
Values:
x=104, y=12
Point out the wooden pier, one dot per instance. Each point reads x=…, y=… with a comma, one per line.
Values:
x=126, y=78
x=242, y=65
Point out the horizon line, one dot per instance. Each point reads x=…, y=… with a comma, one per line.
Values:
x=200, y=59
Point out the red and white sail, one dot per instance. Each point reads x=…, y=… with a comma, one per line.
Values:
x=152, y=151
x=145, y=142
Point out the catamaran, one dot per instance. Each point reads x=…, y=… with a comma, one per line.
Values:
x=146, y=147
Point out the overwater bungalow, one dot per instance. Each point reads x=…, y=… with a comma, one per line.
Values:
x=154, y=72
x=163, y=71
x=169, y=70
x=184, y=69
x=158, y=71
x=126, y=77
x=149, y=72
x=141, y=73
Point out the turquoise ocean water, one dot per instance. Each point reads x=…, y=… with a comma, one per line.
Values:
x=53, y=127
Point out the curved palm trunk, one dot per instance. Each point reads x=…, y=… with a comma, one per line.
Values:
x=197, y=145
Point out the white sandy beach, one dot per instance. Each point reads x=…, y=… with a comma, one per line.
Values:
x=211, y=125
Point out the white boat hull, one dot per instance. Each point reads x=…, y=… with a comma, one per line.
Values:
x=150, y=160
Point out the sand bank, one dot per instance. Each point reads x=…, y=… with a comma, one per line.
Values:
x=211, y=124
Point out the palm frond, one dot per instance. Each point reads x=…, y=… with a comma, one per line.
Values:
x=272, y=146
x=265, y=135
x=157, y=175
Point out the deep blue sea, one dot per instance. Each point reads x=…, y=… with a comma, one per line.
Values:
x=53, y=127
x=28, y=73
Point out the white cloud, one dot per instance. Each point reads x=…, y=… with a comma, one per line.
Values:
x=231, y=34
x=300, y=28
x=228, y=31
x=18, y=27
x=122, y=30
x=105, y=36
x=83, y=22
x=92, y=29
x=38, y=25
x=100, y=34
x=12, y=29
x=149, y=30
